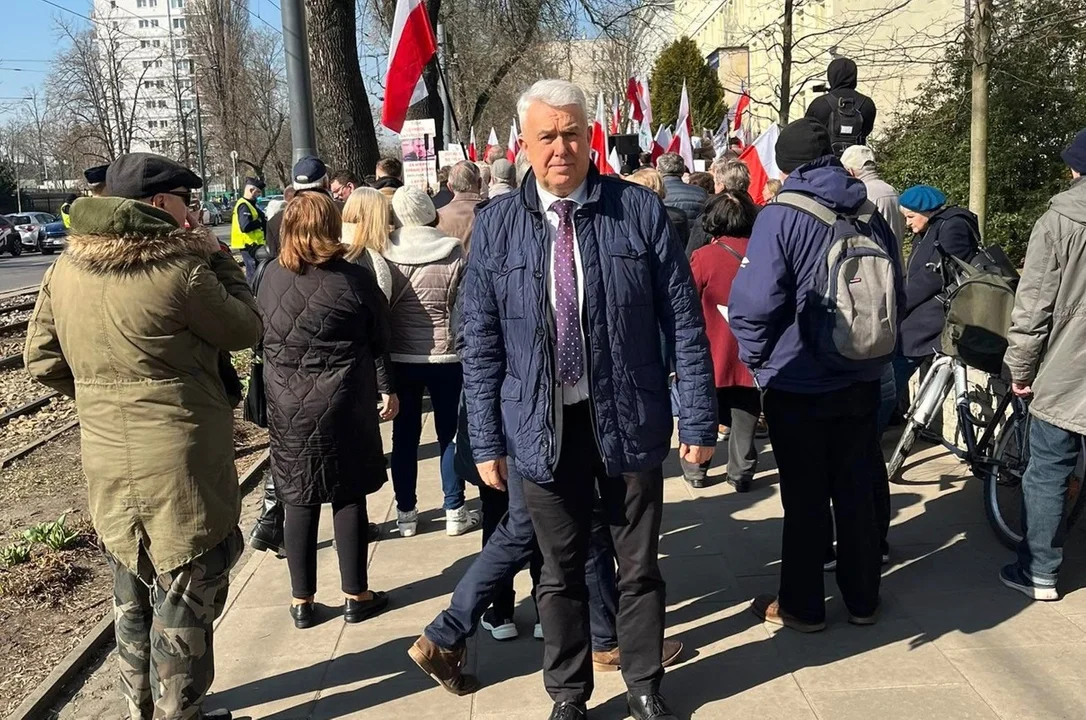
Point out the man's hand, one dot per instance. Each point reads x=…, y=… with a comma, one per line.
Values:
x=696, y=454
x=390, y=406
x=494, y=473
x=1021, y=390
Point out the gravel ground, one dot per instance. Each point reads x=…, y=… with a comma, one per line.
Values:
x=7, y=318
x=17, y=388
x=16, y=300
x=27, y=428
x=12, y=346
x=41, y=487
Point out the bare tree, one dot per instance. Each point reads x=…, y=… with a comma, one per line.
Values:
x=345, y=126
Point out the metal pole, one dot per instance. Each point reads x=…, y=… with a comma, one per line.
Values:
x=200, y=146
x=443, y=68
x=303, y=133
x=18, y=184
x=234, y=167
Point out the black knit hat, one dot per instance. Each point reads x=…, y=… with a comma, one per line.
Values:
x=801, y=142
x=96, y=175
x=1075, y=154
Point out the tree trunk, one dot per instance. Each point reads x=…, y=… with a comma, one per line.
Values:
x=978, y=125
x=342, y=109
x=786, y=62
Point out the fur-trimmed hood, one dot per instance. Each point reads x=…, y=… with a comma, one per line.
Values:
x=121, y=235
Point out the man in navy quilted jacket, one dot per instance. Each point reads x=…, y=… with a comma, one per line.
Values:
x=569, y=285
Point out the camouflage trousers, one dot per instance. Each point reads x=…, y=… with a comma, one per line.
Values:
x=164, y=630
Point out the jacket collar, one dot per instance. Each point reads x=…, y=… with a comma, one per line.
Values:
x=119, y=235
x=467, y=197
x=529, y=194
x=417, y=245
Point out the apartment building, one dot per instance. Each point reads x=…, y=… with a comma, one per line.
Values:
x=148, y=44
x=894, y=43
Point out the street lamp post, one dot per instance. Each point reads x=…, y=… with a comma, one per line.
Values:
x=234, y=165
x=200, y=145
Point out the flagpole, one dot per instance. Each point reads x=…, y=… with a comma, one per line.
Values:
x=449, y=105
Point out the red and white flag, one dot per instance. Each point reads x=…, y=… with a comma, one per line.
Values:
x=599, y=138
x=661, y=142
x=491, y=142
x=411, y=47
x=473, y=154
x=681, y=143
x=741, y=130
x=633, y=94
x=513, y=145
x=646, y=101
x=761, y=159
x=616, y=117
x=615, y=161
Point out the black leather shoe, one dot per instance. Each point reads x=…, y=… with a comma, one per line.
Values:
x=568, y=711
x=355, y=611
x=649, y=707
x=304, y=615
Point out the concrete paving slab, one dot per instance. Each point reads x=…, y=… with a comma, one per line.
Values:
x=960, y=702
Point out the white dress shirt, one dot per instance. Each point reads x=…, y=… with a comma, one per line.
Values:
x=578, y=392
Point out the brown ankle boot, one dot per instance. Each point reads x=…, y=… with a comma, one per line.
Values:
x=443, y=665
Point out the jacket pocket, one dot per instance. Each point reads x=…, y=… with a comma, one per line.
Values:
x=632, y=279
x=652, y=401
x=510, y=289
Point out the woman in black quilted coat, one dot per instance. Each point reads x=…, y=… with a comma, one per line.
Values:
x=325, y=320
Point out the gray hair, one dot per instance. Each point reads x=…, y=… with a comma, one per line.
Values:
x=464, y=176
x=555, y=93
x=671, y=164
x=856, y=157
x=731, y=175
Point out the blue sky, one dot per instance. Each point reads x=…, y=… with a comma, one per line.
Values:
x=30, y=40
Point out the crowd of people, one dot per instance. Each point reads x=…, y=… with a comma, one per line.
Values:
x=557, y=320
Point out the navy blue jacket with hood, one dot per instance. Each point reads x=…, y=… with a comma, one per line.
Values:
x=771, y=289
x=637, y=285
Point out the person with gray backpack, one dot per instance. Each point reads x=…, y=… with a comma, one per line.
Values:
x=815, y=309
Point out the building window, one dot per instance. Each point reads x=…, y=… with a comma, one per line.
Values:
x=177, y=4
x=145, y=43
x=186, y=104
x=117, y=25
x=154, y=23
x=180, y=44
x=150, y=104
x=156, y=43
x=162, y=103
x=159, y=83
x=165, y=123
x=152, y=3
x=153, y=144
x=179, y=23
x=141, y=3
x=152, y=124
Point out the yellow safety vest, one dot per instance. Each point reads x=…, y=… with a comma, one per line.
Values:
x=239, y=239
x=64, y=215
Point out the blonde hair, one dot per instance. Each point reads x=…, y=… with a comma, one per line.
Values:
x=310, y=232
x=371, y=213
x=651, y=179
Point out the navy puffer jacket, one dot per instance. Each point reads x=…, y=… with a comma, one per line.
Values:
x=637, y=284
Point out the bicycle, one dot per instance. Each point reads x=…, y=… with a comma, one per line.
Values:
x=999, y=456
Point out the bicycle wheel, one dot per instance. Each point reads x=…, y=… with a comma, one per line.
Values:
x=1003, y=480
x=904, y=447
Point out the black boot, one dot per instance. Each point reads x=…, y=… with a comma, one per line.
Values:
x=267, y=534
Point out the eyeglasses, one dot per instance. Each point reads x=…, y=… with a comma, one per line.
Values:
x=185, y=195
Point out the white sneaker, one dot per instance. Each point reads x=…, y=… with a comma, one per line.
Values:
x=407, y=522
x=500, y=628
x=538, y=632
x=460, y=521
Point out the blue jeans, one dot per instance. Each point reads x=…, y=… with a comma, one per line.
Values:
x=443, y=381
x=1053, y=455
x=249, y=262
x=509, y=549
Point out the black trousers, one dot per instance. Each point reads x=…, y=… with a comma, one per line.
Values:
x=351, y=526
x=495, y=506
x=826, y=446
x=562, y=516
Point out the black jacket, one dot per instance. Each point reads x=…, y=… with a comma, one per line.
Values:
x=922, y=322
x=842, y=80
x=322, y=331
x=682, y=225
x=443, y=197
x=387, y=182
x=690, y=199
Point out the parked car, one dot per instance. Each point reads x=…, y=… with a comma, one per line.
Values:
x=31, y=226
x=10, y=239
x=210, y=213
x=56, y=238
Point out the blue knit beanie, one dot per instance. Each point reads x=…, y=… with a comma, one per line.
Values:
x=922, y=198
x=1075, y=155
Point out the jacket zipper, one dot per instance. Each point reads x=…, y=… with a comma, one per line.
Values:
x=548, y=349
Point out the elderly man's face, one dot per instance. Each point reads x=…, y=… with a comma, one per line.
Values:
x=556, y=140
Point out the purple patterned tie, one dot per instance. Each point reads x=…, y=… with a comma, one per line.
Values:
x=567, y=317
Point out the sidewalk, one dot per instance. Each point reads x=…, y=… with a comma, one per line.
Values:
x=951, y=641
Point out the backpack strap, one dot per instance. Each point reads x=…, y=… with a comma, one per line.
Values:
x=807, y=204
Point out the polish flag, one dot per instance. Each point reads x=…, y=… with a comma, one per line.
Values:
x=633, y=94
x=614, y=161
x=681, y=143
x=760, y=158
x=491, y=142
x=472, y=153
x=661, y=143
x=410, y=49
x=616, y=118
x=646, y=101
x=513, y=145
x=599, y=138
